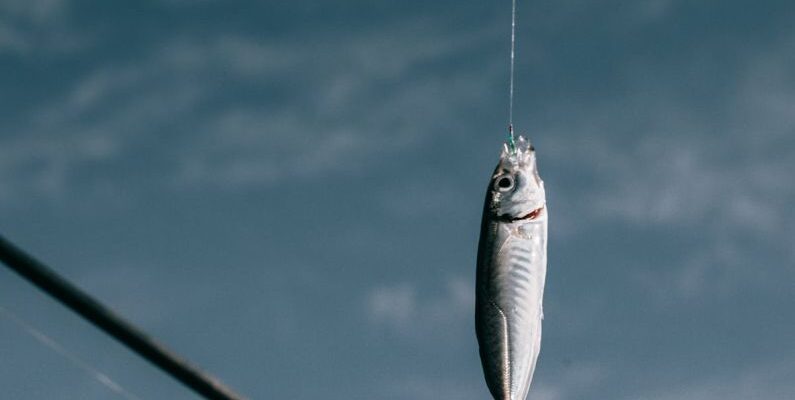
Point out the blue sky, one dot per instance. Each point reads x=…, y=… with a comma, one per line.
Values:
x=289, y=193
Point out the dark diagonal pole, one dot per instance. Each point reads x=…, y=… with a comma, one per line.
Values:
x=103, y=318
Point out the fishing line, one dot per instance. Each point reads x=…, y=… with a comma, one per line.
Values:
x=76, y=361
x=511, y=141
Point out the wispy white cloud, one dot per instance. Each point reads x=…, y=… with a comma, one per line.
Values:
x=683, y=169
x=572, y=382
x=684, y=172
x=242, y=147
x=653, y=10
x=430, y=388
x=681, y=183
x=239, y=56
x=621, y=16
x=39, y=25
x=93, y=124
x=407, y=310
x=420, y=198
x=325, y=122
x=34, y=10
x=11, y=39
x=337, y=119
x=395, y=306
x=42, y=166
x=769, y=382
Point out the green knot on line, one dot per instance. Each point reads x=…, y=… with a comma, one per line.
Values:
x=511, y=140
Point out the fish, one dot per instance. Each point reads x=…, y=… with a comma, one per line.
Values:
x=511, y=273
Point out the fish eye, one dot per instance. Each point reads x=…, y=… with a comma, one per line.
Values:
x=504, y=183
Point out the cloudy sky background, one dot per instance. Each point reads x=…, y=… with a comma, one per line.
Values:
x=289, y=193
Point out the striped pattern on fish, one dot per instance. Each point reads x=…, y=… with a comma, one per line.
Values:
x=511, y=271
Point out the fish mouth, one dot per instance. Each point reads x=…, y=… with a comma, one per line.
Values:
x=532, y=215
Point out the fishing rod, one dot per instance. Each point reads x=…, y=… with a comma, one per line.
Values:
x=111, y=323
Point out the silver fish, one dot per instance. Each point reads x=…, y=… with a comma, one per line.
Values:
x=511, y=271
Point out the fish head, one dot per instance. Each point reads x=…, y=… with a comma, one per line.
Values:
x=516, y=191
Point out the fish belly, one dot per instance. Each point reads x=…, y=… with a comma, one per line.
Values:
x=509, y=307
